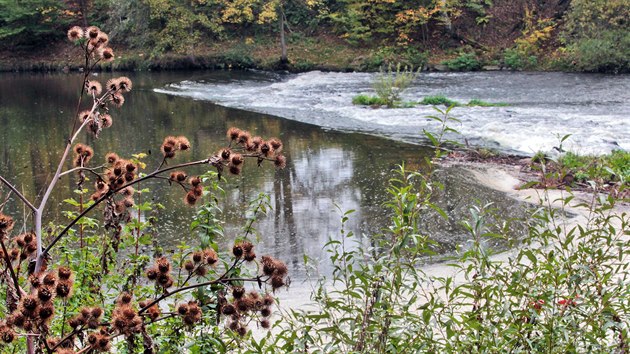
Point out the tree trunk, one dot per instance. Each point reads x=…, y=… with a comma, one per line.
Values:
x=283, y=44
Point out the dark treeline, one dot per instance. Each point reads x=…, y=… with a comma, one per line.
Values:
x=582, y=35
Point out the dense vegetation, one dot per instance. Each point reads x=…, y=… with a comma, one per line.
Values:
x=90, y=284
x=347, y=34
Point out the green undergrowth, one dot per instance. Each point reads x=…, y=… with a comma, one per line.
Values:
x=613, y=167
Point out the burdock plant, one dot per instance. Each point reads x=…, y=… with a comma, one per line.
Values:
x=38, y=284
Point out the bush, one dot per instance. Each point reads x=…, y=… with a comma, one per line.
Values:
x=517, y=60
x=366, y=100
x=614, y=167
x=609, y=52
x=389, y=85
x=464, y=62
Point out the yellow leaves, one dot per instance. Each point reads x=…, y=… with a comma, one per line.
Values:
x=269, y=12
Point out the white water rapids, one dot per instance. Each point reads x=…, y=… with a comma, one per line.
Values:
x=543, y=107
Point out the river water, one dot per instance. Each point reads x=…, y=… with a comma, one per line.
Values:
x=594, y=108
x=340, y=157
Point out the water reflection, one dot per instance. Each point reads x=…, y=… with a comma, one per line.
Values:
x=327, y=172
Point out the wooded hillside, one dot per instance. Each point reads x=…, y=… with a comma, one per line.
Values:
x=581, y=35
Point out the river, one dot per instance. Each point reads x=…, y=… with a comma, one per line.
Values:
x=340, y=156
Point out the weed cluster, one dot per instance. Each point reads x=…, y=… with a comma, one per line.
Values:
x=88, y=285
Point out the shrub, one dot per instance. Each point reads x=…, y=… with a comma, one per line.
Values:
x=518, y=60
x=366, y=100
x=389, y=85
x=91, y=285
x=609, y=52
x=464, y=62
x=614, y=167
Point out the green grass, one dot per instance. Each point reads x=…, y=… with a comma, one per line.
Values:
x=480, y=103
x=366, y=100
x=439, y=100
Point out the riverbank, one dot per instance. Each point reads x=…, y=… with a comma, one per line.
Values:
x=323, y=53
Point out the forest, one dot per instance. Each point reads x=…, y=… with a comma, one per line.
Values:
x=341, y=35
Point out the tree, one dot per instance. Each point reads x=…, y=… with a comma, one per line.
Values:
x=29, y=23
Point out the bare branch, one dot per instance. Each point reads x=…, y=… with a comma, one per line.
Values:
x=20, y=195
x=111, y=192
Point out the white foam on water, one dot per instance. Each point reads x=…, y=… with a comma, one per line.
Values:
x=594, y=109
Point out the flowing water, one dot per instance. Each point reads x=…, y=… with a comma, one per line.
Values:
x=333, y=165
x=594, y=108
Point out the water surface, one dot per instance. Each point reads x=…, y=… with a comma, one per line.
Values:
x=328, y=171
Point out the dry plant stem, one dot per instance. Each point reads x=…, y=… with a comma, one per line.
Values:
x=211, y=282
x=40, y=210
x=13, y=275
x=165, y=295
x=89, y=169
x=22, y=197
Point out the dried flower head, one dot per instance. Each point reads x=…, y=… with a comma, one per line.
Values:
x=6, y=224
x=84, y=115
x=235, y=170
x=178, y=176
x=189, y=266
x=238, y=292
x=124, y=298
x=182, y=143
x=106, y=54
x=117, y=99
x=152, y=273
x=102, y=38
x=93, y=87
x=210, y=256
x=75, y=33
x=236, y=159
x=163, y=265
x=112, y=85
x=124, y=84
x=233, y=133
x=264, y=323
x=255, y=143
x=244, y=138
x=276, y=144
x=190, y=198
x=112, y=158
x=106, y=120
x=266, y=149
x=280, y=161
x=64, y=289
x=92, y=32
x=195, y=181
